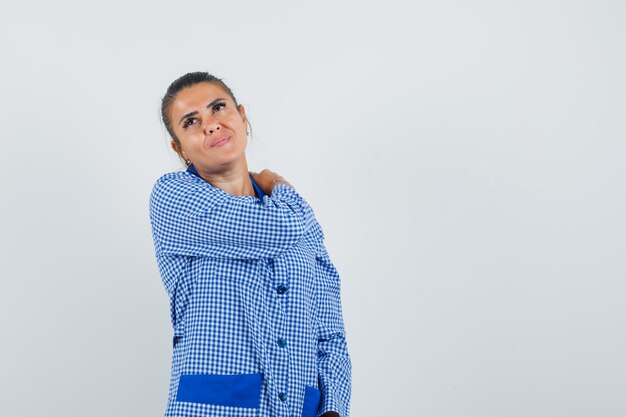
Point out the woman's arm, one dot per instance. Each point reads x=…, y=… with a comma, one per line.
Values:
x=193, y=219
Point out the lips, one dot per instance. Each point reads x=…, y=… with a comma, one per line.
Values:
x=220, y=141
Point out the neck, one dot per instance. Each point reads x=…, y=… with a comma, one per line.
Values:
x=235, y=180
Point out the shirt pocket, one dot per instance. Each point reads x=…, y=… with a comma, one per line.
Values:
x=230, y=390
x=311, y=404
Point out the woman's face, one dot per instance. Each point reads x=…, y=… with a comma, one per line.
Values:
x=211, y=130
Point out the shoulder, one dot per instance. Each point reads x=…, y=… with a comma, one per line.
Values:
x=173, y=179
x=171, y=185
x=183, y=191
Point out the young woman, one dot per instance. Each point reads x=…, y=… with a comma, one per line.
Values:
x=254, y=297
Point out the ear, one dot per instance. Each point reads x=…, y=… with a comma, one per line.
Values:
x=242, y=111
x=177, y=149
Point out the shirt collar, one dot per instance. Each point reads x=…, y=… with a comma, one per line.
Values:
x=259, y=192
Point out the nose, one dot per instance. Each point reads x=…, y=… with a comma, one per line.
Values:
x=211, y=125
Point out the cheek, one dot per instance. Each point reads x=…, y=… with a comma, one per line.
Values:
x=184, y=136
x=192, y=142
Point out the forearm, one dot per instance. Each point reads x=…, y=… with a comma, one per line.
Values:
x=333, y=364
x=335, y=375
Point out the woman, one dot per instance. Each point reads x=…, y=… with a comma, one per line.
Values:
x=254, y=297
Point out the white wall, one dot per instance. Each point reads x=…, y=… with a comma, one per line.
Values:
x=466, y=160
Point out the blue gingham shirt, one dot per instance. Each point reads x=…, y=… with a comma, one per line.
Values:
x=254, y=302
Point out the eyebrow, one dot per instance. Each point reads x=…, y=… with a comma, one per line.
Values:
x=193, y=113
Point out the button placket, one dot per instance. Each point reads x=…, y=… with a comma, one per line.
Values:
x=279, y=353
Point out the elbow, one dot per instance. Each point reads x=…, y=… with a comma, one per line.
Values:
x=337, y=335
x=333, y=344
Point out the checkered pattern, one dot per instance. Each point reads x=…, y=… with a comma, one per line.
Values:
x=222, y=259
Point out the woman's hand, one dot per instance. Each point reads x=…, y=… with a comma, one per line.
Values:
x=267, y=179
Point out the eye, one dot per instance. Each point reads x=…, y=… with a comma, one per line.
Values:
x=188, y=122
x=216, y=106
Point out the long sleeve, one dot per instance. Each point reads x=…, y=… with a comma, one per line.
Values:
x=334, y=363
x=191, y=218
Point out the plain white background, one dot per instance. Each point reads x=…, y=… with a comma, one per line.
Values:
x=465, y=159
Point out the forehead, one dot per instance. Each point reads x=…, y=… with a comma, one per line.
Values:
x=195, y=98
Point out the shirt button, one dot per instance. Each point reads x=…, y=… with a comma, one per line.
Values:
x=281, y=342
x=282, y=396
x=281, y=289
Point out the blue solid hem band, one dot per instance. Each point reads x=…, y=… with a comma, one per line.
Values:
x=239, y=390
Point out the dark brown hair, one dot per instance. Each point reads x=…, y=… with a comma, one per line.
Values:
x=188, y=80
